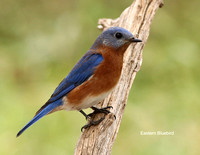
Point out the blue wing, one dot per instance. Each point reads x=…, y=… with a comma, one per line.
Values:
x=80, y=73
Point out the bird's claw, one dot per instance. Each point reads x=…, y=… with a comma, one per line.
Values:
x=96, y=111
x=102, y=110
x=92, y=123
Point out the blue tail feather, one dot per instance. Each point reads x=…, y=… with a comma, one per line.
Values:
x=41, y=114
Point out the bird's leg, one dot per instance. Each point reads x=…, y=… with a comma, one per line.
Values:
x=91, y=122
x=84, y=114
x=96, y=111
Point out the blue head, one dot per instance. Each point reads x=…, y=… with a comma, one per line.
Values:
x=115, y=37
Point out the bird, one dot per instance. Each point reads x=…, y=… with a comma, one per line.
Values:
x=93, y=78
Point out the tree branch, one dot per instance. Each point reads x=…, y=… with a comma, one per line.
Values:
x=137, y=19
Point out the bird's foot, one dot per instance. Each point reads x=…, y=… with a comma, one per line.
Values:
x=102, y=110
x=96, y=111
x=92, y=123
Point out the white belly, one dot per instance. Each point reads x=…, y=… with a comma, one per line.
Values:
x=92, y=100
x=88, y=102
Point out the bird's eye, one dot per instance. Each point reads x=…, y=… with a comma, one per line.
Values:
x=118, y=35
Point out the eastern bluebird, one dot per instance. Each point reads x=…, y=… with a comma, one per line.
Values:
x=94, y=76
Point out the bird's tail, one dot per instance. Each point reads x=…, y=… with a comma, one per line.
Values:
x=41, y=114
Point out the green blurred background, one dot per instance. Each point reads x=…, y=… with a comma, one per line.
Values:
x=41, y=40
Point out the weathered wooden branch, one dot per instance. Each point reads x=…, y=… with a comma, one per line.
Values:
x=98, y=140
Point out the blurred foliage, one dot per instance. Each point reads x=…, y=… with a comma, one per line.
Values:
x=41, y=40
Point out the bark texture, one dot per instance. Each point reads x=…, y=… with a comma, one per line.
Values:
x=98, y=140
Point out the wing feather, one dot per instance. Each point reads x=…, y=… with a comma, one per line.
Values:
x=82, y=71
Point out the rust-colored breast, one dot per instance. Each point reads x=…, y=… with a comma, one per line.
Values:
x=105, y=77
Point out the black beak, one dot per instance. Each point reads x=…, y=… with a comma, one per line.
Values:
x=135, y=40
